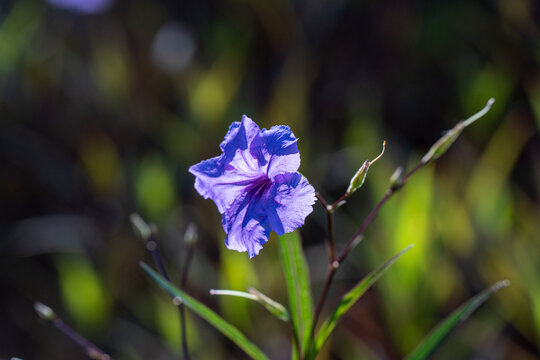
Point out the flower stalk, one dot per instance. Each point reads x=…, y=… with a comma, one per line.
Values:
x=147, y=234
x=46, y=313
x=397, y=181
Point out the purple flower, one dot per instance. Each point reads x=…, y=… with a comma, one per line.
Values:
x=255, y=184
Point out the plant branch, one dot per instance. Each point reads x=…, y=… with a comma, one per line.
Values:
x=147, y=233
x=93, y=352
x=373, y=213
x=153, y=248
x=334, y=265
x=323, y=202
x=396, y=183
x=322, y=297
x=331, y=236
x=329, y=210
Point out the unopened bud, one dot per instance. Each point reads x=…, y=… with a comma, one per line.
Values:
x=397, y=176
x=191, y=235
x=441, y=145
x=358, y=179
x=141, y=228
x=357, y=241
x=44, y=312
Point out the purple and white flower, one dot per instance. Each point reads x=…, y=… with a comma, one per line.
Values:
x=255, y=184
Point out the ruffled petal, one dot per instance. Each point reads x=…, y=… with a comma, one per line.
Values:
x=225, y=177
x=291, y=201
x=276, y=150
x=246, y=225
x=239, y=137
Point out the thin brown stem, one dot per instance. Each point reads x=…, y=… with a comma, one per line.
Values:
x=46, y=313
x=394, y=187
x=339, y=201
x=373, y=213
x=152, y=246
x=371, y=216
x=92, y=350
x=331, y=237
x=323, y=202
x=330, y=219
x=322, y=297
x=418, y=166
x=334, y=264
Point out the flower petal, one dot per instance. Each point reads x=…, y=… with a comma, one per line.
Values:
x=277, y=150
x=246, y=225
x=225, y=177
x=291, y=202
x=239, y=136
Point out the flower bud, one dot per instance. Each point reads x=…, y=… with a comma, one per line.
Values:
x=44, y=312
x=358, y=179
x=441, y=145
x=397, y=176
x=191, y=235
x=141, y=228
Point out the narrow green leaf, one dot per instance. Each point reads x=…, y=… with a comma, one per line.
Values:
x=269, y=304
x=297, y=279
x=439, y=333
x=206, y=313
x=347, y=301
x=236, y=293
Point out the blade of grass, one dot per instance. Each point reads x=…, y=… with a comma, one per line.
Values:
x=347, y=301
x=269, y=304
x=297, y=279
x=439, y=333
x=206, y=313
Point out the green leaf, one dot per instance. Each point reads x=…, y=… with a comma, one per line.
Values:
x=206, y=313
x=437, y=335
x=297, y=279
x=347, y=301
x=269, y=304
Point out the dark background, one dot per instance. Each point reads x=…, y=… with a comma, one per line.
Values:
x=103, y=110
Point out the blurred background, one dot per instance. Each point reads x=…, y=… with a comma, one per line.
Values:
x=105, y=104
